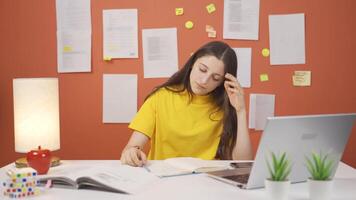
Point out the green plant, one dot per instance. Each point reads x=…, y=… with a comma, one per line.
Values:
x=280, y=168
x=319, y=166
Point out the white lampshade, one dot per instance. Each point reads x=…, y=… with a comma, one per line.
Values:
x=36, y=114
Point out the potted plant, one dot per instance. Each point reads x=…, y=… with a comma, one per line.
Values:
x=320, y=168
x=277, y=185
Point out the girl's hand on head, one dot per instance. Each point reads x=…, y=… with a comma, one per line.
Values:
x=133, y=156
x=234, y=92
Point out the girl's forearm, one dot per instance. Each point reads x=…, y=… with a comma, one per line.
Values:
x=242, y=149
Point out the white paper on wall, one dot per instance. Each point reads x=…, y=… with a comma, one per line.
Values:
x=73, y=51
x=241, y=19
x=160, y=52
x=119, y=97
x=243, y=66
x=73, y=35
x=261, y=107
x=287, y=39
x=120, y=33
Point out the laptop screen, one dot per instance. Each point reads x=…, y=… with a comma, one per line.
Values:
x=298, y=136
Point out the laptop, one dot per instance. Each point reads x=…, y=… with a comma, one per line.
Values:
x=298, y=136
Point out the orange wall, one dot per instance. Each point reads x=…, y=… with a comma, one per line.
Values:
x=28, y=49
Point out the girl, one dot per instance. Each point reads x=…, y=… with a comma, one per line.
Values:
x=199, y=112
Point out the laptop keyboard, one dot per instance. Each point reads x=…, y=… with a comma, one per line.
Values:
x=241, y=178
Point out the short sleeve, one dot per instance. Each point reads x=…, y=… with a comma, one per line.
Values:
x=145, y=119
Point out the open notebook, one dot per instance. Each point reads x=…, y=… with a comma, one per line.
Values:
x=184, y=165
x=119, y=179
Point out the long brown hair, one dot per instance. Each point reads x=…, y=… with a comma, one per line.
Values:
x=226, y=54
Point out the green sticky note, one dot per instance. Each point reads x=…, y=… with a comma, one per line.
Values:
x=189, y=24
x=210, y=8
x=263, y=77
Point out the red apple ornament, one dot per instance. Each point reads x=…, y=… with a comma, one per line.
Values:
x=39, y=159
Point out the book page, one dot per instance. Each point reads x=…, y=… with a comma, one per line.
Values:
x=184, y=165
x=194, y=164
x=63, y=176
x=60, y=182
x=162, y=169
x=123, y=177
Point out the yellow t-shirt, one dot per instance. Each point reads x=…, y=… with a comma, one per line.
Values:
x=178, y=128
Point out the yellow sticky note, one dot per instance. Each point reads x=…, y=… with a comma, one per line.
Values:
x=107, y=58
x=210, y=8
x=265, y=52
x=302, y=78
x=263, y=77
x=179, y=11
x=67, y=49
x=212, y=34
x=189, y=24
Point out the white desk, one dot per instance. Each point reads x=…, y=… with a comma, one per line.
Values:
x=195, y=186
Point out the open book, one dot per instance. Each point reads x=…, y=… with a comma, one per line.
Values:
x=184, y=165
x=120, y=178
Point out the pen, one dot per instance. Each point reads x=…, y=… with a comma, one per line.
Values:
x=146, y=168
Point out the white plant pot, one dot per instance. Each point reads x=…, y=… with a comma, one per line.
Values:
x=277, y=190
x=320, y=190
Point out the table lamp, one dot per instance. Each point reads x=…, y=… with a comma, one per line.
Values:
x=36, y=121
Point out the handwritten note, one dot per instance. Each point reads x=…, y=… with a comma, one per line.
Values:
x=302, y=78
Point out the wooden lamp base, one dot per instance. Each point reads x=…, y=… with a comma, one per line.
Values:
x=22, y=162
